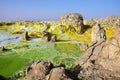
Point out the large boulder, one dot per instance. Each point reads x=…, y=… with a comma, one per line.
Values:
x=44, y=70
x=38, y=70
x=101, y=61
x=73, y=19
x=58, y=74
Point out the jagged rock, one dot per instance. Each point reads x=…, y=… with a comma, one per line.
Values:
x=101, y=61
x=91, y=53
x=98, y=33
x=38, y=70
x=73, y=19
x=26, y=36
x=58, y=74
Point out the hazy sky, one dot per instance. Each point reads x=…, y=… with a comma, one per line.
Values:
x=53, y=9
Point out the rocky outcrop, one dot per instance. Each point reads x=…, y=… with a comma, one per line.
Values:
x=101, y=61
x=111, y=21
x=2, y=48
x=44, y=70
x=98, y=33
x=110, y=53
x=49, y=37
x=38, y=70
x=26, y=36
x=73, y=19
x=59, y=74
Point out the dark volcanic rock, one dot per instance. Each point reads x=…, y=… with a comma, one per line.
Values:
x=2, y=78
x=26, y=36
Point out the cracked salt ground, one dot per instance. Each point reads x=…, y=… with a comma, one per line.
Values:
x=6, y=38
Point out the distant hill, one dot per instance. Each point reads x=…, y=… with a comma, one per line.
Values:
x=111, y=21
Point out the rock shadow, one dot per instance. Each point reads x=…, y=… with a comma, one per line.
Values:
x=85, y=28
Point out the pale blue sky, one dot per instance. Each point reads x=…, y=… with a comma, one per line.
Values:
x=53, y=9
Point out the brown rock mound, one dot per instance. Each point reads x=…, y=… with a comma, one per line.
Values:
x=101, y=61
x=45, y=71
x=49, y=37
x=58, y=74
x=38, y=70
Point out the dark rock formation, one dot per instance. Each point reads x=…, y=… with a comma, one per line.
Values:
x=26, y=36
x=2, y=48
x=2, y=78
x=73, y=19
x=98, y=33
x=101, y=61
